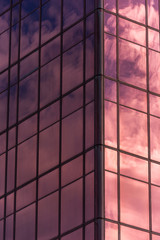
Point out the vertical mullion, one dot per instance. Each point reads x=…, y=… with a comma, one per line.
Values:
x=60, y=119
x=38, y=119
x=84, y=112
x=7, y=127
x=99, y=121
x=118, y=118
x=16, y=148
x=148, y=122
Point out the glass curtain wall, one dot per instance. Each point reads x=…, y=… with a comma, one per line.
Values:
x=47, y=119
x=132, y=119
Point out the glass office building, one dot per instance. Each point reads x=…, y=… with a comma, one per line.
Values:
x=79, y=120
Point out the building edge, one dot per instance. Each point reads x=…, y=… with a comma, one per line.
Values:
x=99, y=122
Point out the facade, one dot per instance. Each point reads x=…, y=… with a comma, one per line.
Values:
x=79, y=120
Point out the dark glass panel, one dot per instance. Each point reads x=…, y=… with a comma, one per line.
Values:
x=26, y=195
x=154, y=105
x=73, y=36
x=155, y=196
x=50, y=50
x=110, y=91
x=110, y=124
x=13, y=74
x=29, y=33
x=89, y=5
x=89, y=68
x=90, y=24
x=134, y=202
x=72, y=102
x=72, y=11
x=133, y=167
x=71, y=206
x=111, y=231
x=48, y=183
x=131, y=31
x=49, y=148
x=50, y=82
x=134, y=9
x=26, y=162
x=11, y=137
x=72, y=170
x=10, y=204
x=2, y=143
x=155, y=176
x=155, y=138
x=111, y=198
x=3, y=81
x=153, y=13
x=25, y=223
x=1, y=229
x=11, y=170
x=72, y=140
x=28, y=65
x=12, y=105
x=153, y=40
x=15, y=14
x=89, y=197
x=72, y=67
x=28, y=6
x=14, y=43
x=28, y=91
x=110, y=56
x=5, y=4
x=132, y=63
x=110, y=160
x=132, y=97
x=89, y=91
x=1, y=208
x=2, y=174
x=154, y=71
x=51, y=19
x=110, y=5
x=74, y=235
x=89, y=125
x=89, y=231
x=132, y=234
x=27, y=128
x=89, y=161
x=110, y=23
x=4, y=50
x=48, y=217
x=49, y=115
x=5, y=21
x=9, y=228
x=3, y=110
x=133, y=131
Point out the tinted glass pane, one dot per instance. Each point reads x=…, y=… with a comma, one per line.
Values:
x=71, y=206
x=49, y=148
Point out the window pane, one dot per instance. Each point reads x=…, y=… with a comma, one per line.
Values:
x=71, y=206
x=134, y=203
